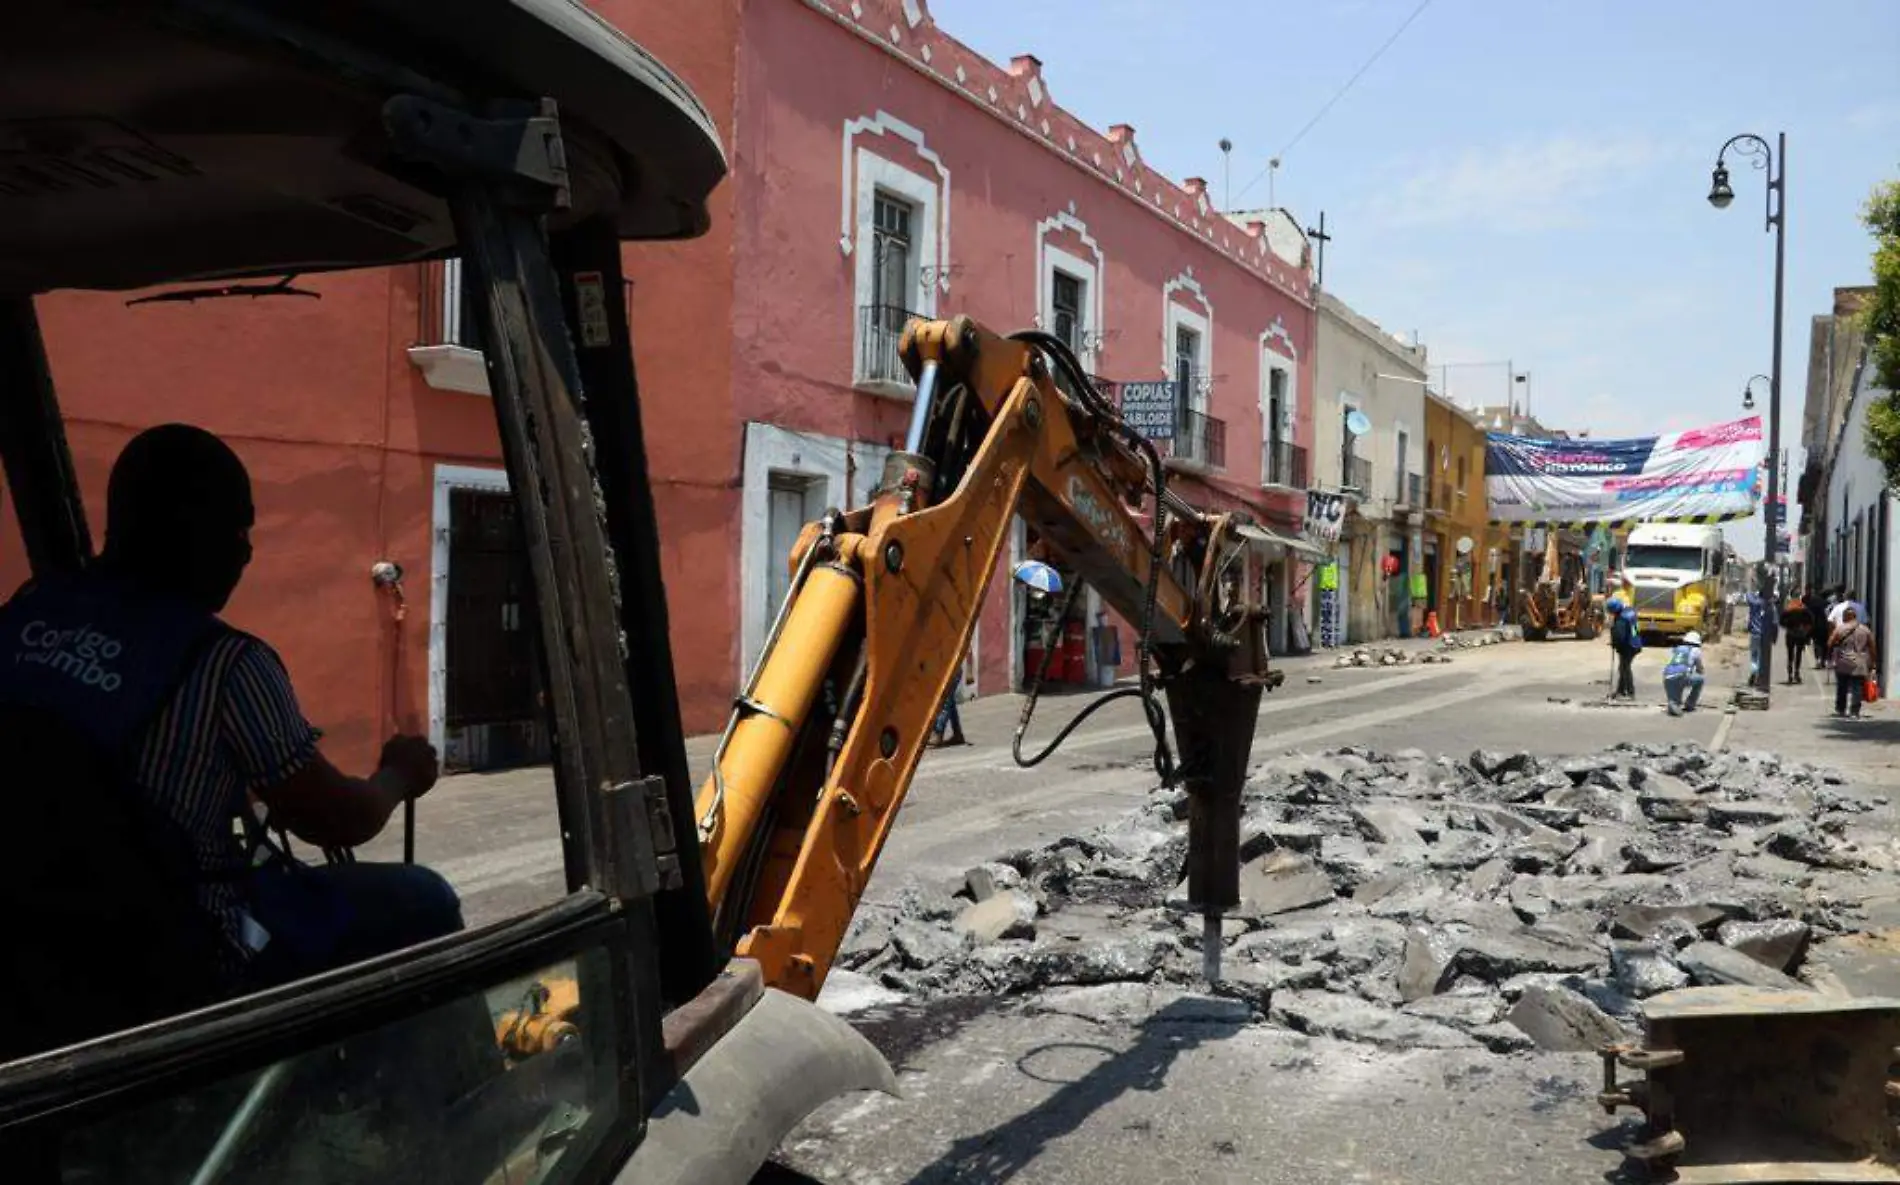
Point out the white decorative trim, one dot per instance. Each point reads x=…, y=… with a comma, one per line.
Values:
x=1399, y=427
x=1174, y=313
x=874, y=174
x=1278, y=331
x=856, y=210
x=447, y=478
x=1049, y=258
x=451, y=368
x=770, y=449
x=913, y=12
x=1270, y=360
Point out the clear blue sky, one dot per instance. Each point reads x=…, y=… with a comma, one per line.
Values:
x=1521, y=179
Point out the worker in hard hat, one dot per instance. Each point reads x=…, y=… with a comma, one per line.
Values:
x=1683, y=676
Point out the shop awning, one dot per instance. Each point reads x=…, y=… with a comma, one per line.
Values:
x=1266, y=540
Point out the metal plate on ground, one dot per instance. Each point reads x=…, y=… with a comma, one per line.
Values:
x=1766, y=1085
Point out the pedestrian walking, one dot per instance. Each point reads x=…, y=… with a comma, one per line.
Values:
x=1626, y=640
x=1816, y=604
x=1797, y=624
x=1852, y=646
x=1847, y=599
x=948, y=722
x=1683, y=676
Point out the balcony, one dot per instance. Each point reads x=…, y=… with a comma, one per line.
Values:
x=1356, y=474
x=877, y=368
x=1200, y=441
x=1413, y=491
x=1283, y=464
x=448, y=345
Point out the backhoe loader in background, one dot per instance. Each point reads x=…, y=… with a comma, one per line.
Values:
x=612, y=1035
x=1560, y=600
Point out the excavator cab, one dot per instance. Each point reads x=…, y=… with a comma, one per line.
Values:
x=223, y=146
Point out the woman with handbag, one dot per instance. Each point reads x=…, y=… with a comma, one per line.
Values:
x=1851, y=646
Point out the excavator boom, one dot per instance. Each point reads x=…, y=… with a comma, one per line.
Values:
x=827, y=734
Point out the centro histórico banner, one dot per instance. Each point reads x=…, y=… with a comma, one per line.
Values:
x=1702, y=475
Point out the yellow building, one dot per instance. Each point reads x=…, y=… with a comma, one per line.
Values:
x=1464, y=555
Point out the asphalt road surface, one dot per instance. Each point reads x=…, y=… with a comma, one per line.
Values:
x=1132, y=1083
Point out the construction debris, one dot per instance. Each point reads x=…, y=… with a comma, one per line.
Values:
x=1502, y=901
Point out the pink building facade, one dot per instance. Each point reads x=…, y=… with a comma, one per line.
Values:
x=885, y=169
x=880, y=169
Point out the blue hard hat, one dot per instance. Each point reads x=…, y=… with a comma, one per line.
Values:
x=1615, y=605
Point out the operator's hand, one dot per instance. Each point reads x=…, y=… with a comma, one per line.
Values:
x=413, y=759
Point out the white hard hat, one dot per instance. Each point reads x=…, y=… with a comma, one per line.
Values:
x=1692, y=638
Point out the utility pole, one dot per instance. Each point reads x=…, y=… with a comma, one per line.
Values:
x=1318, y=235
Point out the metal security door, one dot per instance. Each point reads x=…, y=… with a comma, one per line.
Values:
x=493, y=681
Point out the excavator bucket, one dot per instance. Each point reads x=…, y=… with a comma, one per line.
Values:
x=1756, y=1085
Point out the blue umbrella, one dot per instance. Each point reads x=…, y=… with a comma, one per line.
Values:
x=1038, y=577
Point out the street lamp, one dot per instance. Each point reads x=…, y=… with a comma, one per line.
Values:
x=1721, y=194
x=1525, y=378
x=1748, y=391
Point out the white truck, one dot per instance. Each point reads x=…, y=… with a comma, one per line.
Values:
x=1673, y=574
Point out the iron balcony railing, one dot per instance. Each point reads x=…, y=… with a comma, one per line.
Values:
x=1199, y=439
x=1357, y=474
x=1283, y=464
x=880, y=329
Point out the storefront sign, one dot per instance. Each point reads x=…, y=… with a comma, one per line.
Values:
x=1331, y=631
x=1325, y=516
x=1150, y=408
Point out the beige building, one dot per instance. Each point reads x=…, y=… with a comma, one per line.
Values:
x=1364, y=371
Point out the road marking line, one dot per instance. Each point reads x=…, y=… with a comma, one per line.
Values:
x=1721, y=732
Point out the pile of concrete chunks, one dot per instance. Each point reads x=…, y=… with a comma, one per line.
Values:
x=1500, y=900
x=1393, y=656
x=1385, y=656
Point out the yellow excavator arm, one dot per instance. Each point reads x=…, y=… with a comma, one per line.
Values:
x=826, y=736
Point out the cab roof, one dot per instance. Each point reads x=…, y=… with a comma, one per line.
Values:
x=147, y=141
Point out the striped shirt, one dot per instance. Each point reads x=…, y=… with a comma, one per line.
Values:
x=232, y=728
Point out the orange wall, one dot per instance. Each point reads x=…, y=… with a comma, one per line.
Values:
x=342, y=437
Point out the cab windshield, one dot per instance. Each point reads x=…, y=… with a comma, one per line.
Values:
x=1672, y=559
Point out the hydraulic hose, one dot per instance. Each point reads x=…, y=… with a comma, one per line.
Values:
x=1065, y=361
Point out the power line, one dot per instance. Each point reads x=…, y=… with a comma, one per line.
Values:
x=1339, y=94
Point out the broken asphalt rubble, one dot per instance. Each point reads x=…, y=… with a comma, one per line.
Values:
x=1393, y=656
x=1502, y=901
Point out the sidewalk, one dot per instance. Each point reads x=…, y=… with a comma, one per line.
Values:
x=1799, y=724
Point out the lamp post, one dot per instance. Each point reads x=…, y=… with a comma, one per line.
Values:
x=1748, y=391
x=1775, y=161
x=1525, y=378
